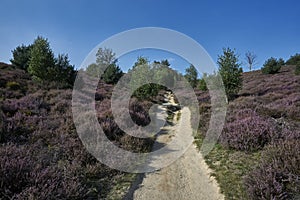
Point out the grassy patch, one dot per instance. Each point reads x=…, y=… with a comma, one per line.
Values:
x=229, y=168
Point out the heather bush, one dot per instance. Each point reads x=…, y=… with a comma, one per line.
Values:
x=278, y=174
x=15, y=168
x=139, y=112
x=272, y=66
x=247, y=131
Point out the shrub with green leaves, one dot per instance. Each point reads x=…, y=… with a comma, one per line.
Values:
x=293, y=60
x=231, y=72
x=202, y=84
x=272, y=66
x=297, y=70
x=21, y=56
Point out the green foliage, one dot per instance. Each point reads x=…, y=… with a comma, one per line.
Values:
x=293, y=60
x=163, y=74
x=231, y=72
x=42, y=63
x=105, y=67
x=13, y=85
x=158, y=72
x=202, y=83
x=105, y=56
x=44, y=67
x=21, y=56
x=112, y=74
x=281, y=62
x=93, y=70
x=64, y=71
x=297, y=70
x=272, y=66
x=141, y=72
x=191, y=75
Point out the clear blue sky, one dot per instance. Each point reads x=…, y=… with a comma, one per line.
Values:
x=268, y=28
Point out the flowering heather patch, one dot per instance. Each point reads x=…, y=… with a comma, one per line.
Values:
x=247, y=132
x=278, y=174
x=263, y=119
x=41, y=155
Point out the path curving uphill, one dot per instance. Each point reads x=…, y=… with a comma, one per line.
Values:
x=187, y=178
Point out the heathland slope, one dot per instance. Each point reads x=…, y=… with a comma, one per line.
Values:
x=257, y=155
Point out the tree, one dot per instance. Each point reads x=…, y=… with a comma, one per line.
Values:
x=293, y=60
x=93, y=70
x=64, y=71
x=165, y=63
x=297, y=70
x=191, y=75
x=105, y=58
x=163, y=74
x=41, y=63
x=202, y=84
x=231, y=72
x=281, y=62
x=272, y=66
x=112, y=74
x=141, y=73
x=251, y=59
x=21, y=56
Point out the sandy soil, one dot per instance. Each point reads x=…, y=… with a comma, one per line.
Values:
x=186, y=178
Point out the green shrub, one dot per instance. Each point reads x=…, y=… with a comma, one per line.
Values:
x=297, y=70
x=13, y=85
x=21, y=56
x=231, y=72
x=272, y=66
x=293, y=60
x=202, y=85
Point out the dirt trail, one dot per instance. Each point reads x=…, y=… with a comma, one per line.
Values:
x=187, y=178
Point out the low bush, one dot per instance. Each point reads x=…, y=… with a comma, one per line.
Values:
x=246, y=131
x=293, y=60
x=13, y=85
x=272, y=66
x=278, y=174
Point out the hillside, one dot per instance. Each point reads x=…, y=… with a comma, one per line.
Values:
x=41, y=155
x=257, y=156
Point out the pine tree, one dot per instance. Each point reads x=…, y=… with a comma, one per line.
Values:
x=231, y=72
x=42, y=62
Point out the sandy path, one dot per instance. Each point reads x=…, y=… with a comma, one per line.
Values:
x=187, y=178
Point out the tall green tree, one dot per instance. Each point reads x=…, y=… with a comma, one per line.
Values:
x=230, y=71
x=106, y=67
x=21, y=56
x=63, y=70
x=202, y=83
x=42, y=62
x=140, y=73
x=112, y=74
x=191, y=75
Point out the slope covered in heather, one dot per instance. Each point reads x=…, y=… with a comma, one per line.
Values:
x=41, y=155
x=257, y=156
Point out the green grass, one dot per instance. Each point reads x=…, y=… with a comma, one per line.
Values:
x=229, y=168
